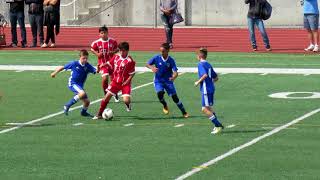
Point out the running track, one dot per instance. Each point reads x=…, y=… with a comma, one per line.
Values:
x=185, y=39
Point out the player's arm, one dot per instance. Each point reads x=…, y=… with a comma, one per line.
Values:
x=175, y=73
x=59, y=69
x=128, y=80
x=132, y=72
x=150, y=65
x=203, y=77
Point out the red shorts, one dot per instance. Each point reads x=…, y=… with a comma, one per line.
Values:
x=114, y=88
x=105, y=71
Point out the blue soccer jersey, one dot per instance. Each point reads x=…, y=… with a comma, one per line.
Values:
x=166, y=67
x=79, y=72
x=206, y=86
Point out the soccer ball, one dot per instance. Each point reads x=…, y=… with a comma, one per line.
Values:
x=107, y=114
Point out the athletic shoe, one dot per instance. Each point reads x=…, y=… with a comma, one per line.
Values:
x=66, y=110
x=44, y=45
x=53, y=45
x=13, y=45
x=171, y=46
x=269, y=49
x=316, y=48
x=165, y=110
x=86, y=114
x=186, y=115
x=116, y=98
x=97, y=117
x=310, y=48
x=216, y=130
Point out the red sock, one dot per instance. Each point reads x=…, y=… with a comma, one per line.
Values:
x=103, y=106
x=104, y=87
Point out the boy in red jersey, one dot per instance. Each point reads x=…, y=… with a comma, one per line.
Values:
x=123, y=71
x=104, y=48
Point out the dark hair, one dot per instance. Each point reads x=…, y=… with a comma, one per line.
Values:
x=124, y=46
x=204, y=51
x=84, y=52
x=165, y=46
x=103, y=29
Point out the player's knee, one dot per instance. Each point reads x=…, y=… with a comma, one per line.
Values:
x=126, y=99
x=160, y=95
x=175, y=98
x=82, y=95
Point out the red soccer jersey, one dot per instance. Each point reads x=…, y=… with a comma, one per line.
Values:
x=122, y=68
x=106, y=47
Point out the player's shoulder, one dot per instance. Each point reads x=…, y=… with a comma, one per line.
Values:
x=130, y=59
x=112, y=40
x=96, y=41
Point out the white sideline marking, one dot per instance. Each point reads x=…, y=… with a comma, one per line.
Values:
x=306, y=75
x=19, y=71
x=268, y=128
x=231, y=126
x=264, y=74
x=250, y=143
x=59, y=113
x=77, y=124
x=183, y=70
x=179, y=125
x=127, y=125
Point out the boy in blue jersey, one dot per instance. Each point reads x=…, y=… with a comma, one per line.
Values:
x=207, y=78
x=79, y=72
x=166, y=72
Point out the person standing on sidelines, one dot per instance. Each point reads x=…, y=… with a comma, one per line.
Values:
x=167, y=8
x=255, y=19
x=311, y=23
x=36, y=20
x=17, y=15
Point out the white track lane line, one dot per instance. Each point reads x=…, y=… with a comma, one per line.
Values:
x=59, y=113
x=248, y=144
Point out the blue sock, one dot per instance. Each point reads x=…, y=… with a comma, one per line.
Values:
x=215, y=121
x=72, y=101
x=180, y=106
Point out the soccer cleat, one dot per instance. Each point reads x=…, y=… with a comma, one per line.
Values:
x=86, y=114
x=216, y=130
x=66, y=110
x=116, y=98
x=310, y=48
x=186, y=115
x=97, y=117
x=165, y=110
x=316, y=48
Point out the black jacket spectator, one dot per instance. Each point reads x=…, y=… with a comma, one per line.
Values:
x=36, y=20
x=254, y=8
x=51, y=20
x=17, y=15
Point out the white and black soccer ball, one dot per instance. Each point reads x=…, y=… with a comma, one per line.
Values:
x=107, y=114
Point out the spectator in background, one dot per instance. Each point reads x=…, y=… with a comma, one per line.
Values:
x=311, y=23
x=36, y=20
x=3, y=22
x=17, y=14
x=52, y=21
x=167, y=8
x=255, y=19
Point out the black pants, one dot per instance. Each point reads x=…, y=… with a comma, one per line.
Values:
x=168, y=27
x=36, y=23
x=14, y=17
x=50, y=34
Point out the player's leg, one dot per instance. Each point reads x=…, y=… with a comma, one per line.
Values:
x=160, y=93
x=126, y=95
x=78, y=90
x=86, y=104
x=207, y=103
x=171, y=90
x=111, y=91
x=116, y=96
x=104, y=79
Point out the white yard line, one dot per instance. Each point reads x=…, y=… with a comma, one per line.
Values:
x=128, y=125
x=59, y=113
x=269, y=128
x=248, y=144
x=184, y=70
x=77, y=124
x=178, y=125
x=231, y=126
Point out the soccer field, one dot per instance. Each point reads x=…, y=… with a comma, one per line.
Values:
x=146, y=144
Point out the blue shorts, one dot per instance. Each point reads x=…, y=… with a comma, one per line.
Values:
x=76, y=88
x=169, y=87
x=311, y=21
x=207, y=100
